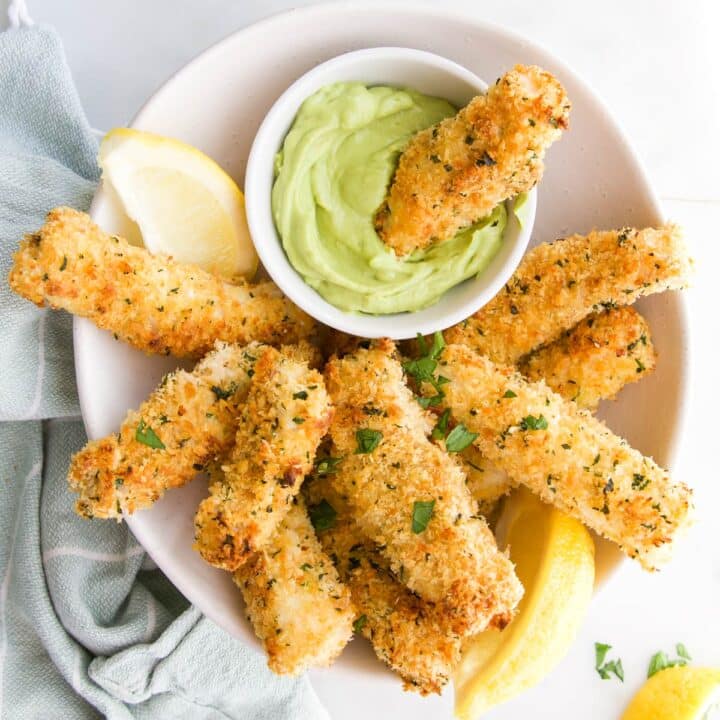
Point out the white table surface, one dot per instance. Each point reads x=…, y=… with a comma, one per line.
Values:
x=657, y=66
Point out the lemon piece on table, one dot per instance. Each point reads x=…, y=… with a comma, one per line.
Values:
x=184, y=203
x=677, y=693
x=554, y=557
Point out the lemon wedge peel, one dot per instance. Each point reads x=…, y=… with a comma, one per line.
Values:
x=554, y=556
x=184, y=203
x=682, y=692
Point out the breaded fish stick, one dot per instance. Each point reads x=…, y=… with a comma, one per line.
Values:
x=455, y=173
x=149, y=301
x=566, y=456
x=591, y=362
x=286, y=414
x=410, y=635
x=595, y=359
x=187, y=422
x=410, y=497
x=560, y=283
x=294, y=598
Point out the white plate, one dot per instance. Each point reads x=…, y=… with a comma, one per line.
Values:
x=217, y=102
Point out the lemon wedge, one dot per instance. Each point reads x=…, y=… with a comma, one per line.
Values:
x=554, y=557
x=184, y=203
x=677, y=693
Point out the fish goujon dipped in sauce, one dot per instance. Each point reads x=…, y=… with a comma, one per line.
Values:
x=332, y=175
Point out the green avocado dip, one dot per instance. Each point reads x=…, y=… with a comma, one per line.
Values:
x=331, y=176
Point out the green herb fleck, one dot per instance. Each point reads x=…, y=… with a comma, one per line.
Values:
x=459, y=438
x=327, y=466
x=441, y=426
x=534, y=423
x=422, y=512
x=509, y=394
x=367, y=440
x=146, y=435
x=604, y=669
x=660, y=661
x=359, y=624
x=64, y=263
x=302, y=395
x=224, y=394
x=322, y=515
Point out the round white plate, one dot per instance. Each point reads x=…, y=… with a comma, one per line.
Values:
x=217, y=102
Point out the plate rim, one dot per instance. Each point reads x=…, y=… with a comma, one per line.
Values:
x=304, y=14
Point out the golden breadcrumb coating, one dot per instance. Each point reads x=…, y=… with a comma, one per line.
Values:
x=566, y=456
x=410, y=635
x=452, y=558
x=149, y=301
x=294, y=598
x=589, y=363
x=485, y=481
x=457, y=172
x=558, y=284
x=281, y=423
x=596, y=359
x=184, y=424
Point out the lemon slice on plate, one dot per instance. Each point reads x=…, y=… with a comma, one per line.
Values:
x=554, y=557
x=184, y=203
x=677, y=693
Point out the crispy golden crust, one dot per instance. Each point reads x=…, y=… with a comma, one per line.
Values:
x=589, y=363
x=454, y=560
x=294, y=598
x=596, y=359
x=455, y=173
x=191, y=414
x=280, y=426
x=411, y=635
x=150, y=301
x=575, y=462
x=560, y=283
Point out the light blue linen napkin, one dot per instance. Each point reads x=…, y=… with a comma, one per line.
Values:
x=88, y=625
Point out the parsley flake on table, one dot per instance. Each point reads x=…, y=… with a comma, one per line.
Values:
x=604, y=669
x=660, y=661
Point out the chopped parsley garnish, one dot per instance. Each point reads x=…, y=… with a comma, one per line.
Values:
x=422, y=512
x=640, y=367
x=302, y=395
x=459, y=438
x=64, y=263
x=322, y=515
x=359, y=624
x=423, y=369
x=639, y=482
x=146, y=435
x=604, y=669
x=224, y=393
x=367, y=440
x=509, y=394
x=660, y=661
x=298, y=420
x=534, y=423
x=441, y=426
x=327, y=466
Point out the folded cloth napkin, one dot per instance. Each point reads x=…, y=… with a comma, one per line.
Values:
x=88, y=625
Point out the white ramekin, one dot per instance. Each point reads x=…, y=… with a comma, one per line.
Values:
x=400, y=67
